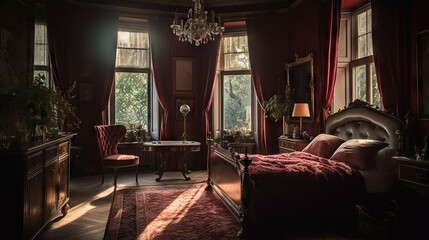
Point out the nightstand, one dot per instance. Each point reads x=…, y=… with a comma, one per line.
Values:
x=413, y=175
x=412, y=195
x=291, y=144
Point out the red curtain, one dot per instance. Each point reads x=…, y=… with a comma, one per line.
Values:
x=209, y=66
x=160, y=47
x=82, y=48
x=390, y=52
x=79, y=40
x=62, y=42
x=104, y=43
x=329, y=20
x=261, y=54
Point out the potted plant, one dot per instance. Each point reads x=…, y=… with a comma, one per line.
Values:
x=65, y=110
x=34, y=110
x=279, y=106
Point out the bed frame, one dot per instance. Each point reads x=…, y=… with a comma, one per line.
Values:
x=228, y=174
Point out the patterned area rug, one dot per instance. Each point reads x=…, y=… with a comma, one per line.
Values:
x=182, y=211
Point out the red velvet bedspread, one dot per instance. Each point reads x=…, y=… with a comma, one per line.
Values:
x=302, y=189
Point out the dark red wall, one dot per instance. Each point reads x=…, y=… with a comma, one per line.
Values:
x=419, y=22
x=297, y=32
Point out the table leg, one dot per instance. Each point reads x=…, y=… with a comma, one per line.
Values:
x=182, y=163
x=161, y=168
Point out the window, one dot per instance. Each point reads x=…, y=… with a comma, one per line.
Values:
x=129, y=103
x=41, y=57
x=363, y=68
x=235, y=94
x=356, y=76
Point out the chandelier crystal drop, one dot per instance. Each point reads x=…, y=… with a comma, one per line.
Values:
x=196, y=28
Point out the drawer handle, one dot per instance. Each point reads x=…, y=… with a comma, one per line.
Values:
x=422, y=176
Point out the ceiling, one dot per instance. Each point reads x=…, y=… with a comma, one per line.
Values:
x=225, y=7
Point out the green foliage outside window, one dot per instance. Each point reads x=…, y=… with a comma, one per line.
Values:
x=237, y=102
x=131, y=99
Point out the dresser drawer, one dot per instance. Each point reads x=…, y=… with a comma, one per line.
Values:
x=35, y=161
x=51, y=153
x=414, y=174
x=292, y=144
x=63, y=149
x=287, y=144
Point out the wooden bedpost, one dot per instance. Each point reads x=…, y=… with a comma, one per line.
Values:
x=209, y=152
x=245, y=203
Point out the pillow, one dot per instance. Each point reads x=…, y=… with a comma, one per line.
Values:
x=323, y=145
x=382, y=160
x=358, y=152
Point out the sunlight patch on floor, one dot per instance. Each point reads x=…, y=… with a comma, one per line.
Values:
x=174, y=213
x=81, y=209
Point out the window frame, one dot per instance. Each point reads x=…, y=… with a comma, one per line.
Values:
x=218, y=101
x=134, y=27
x=47, y=68
x=368, y=61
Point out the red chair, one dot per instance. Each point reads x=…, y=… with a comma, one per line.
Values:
x=108, y=137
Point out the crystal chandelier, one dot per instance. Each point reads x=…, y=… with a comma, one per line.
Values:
x=196, y=28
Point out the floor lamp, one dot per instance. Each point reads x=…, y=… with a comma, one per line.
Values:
x=300, y=110
x=184, y=109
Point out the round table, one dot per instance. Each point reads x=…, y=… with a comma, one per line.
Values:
x=179, y=147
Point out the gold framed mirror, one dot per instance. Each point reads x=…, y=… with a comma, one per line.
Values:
x=300, y=78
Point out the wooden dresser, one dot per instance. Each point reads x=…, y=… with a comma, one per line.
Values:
x=291, y=144
x=412, y=195
x=35, y=186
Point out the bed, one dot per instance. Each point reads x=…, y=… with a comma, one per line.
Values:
x=319, y=185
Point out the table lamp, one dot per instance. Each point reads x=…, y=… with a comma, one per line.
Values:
x=300, y=110
x=184, y=109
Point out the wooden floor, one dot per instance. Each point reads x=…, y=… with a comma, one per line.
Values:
x=90, y=202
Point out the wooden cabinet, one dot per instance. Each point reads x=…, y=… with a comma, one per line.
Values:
x=412, y=195
x=33, y=193
x=35, y=186
x=291, y=144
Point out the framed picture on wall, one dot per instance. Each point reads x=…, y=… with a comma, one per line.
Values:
x=180, y=102
x=423, y=74
x=184, y=74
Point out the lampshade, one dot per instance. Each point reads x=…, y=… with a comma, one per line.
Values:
x=301, y=110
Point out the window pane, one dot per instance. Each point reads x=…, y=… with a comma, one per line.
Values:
x=40, y=45
x=369, y=18
x=128, y=39
x=376, y=99
x=362, y=46
x=235, y=53
x=133, y=49
x=131, y=99
x=362, y=24
x=370, y=52
x=44, y=75
x=132, y=58
x=360, y=79
x=237, y=110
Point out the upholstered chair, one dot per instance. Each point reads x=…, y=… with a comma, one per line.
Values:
x=108, y=137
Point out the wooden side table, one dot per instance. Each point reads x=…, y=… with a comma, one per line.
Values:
x=291, y=144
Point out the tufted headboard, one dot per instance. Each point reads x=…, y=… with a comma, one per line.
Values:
x=361, y=120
